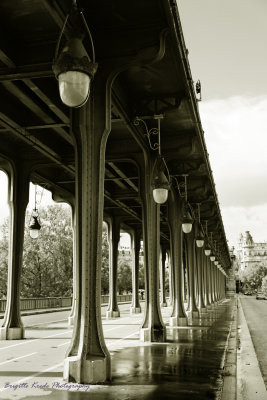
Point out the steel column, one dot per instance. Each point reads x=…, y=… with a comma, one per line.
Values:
x=18, y=196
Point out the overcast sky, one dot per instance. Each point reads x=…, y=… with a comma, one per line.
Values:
x=228, y=53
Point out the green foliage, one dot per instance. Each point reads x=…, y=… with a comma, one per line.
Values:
x=253, y=275
x=264, y=286
x=124, y=274
x=48, y=261
x=47, y=269
x=105, y=264
x=141, y=276
x=3, y=259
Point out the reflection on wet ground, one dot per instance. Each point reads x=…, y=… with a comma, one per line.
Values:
x=188, y=366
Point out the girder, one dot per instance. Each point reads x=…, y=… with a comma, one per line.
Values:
x=36, y=127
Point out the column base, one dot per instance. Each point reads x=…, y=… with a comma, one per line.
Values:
x=193, y=318
x=11, y=333
x=92, y=371
x=213, y=306
x=210, y=307
x=135, y=310
x=203, y=312
x=112, y=314
x=178, y=321
x=193, y=314
x=153, y=335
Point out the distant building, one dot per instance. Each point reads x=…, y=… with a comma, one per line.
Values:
x=124, y=249
x=249, y=253
x=232, y=280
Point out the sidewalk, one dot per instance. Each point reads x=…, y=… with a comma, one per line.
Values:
x=250, y=384
x=197, y=362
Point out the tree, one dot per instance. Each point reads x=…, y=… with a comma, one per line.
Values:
x=48, y=261
x=264, y=286
x=141, y=275
x=124, y=274
x=253, y=275
x=4, y=258
x=105, y=264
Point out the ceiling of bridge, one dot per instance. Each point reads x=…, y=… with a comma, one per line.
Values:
x=35, y=125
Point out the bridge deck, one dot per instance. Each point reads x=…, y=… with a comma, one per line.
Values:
x=188, y=366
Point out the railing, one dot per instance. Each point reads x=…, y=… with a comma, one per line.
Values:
x=57, y=302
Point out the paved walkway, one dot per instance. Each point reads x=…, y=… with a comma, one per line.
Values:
x=250, y=382
x=196, y=362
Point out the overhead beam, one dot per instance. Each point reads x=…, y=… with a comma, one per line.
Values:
x=47, y=100
x=12, y=88
x=26, y=72
x=122, y=175
x=23, y=135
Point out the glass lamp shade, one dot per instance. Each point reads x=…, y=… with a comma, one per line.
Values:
x=216, y=262
x=34, y=228
x=74, y=88
x=187, y=221
x=160, y=195
x=160, y=183
x=187, y=227
x=200, y=242
x=34, y=233
x=212, y=258
x=207, y=251
x=74, y=71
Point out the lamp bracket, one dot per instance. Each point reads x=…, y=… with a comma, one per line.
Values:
x=181, y=186
x=79, y=12
x=152, y=131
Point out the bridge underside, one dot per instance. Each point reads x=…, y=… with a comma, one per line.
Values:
x=100, y=160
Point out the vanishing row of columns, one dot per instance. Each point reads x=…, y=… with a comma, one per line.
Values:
x=88, y=359
x=205, y=283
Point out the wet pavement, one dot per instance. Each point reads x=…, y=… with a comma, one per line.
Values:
x=188, y=366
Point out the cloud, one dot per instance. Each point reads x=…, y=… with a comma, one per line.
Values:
x=4, y=209
x=236, y=137
x=42, y=196
x=241, y=219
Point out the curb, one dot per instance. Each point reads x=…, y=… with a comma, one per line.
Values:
x=229, y=362
x=42, y=311
x=250, y=383
x=51, y=310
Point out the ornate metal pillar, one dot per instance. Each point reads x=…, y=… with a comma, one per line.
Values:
x=18, y=196
x=193, y=311
x=88, y=359
x=153, y=328
x=170, y=302
x=113, y=238
x=178, y=317
x=212, y=283
x=207, y=264
x=162, y=267
x=135, y=245
x=216, y=284
x=200, y=268
x=75, y=261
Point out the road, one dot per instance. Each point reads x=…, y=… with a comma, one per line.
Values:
x=256, y=316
